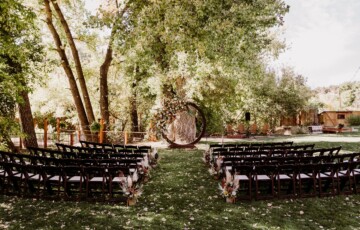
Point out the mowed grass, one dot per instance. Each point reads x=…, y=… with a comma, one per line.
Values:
x=182, y=195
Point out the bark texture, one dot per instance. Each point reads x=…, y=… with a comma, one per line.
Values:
x=27, y=121
x=104, y=70
x=66, y=66
x=78, y=67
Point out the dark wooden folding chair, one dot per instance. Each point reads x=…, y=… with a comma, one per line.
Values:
x=33, y=180
x=263, y=176
x=3, y=176
x=243, y=174
x=306, y=179
x=285, y=180
x=116, y=176
x=53, y=179
x=15, y=178
x=96, y=183
x=74, y=179
x=345, y=180
x=355, y=168
x=327, y=178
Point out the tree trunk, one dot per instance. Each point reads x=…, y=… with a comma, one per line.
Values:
x=78, y=67
x=133, y=111
x=104, y=70
x=27, y=121
x=10, y=144
x=134, y=114
x=66, y=66
x=104, y=90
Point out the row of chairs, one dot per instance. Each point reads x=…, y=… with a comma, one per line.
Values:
x=277, y=153
x=71, y=182
x=87, y=155
x=250, y=144
x=230, y=162
x=89, y=144
x=264, y=148
x=297, y=180
x=132, y=162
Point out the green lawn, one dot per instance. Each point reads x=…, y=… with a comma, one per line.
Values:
x=182, y=195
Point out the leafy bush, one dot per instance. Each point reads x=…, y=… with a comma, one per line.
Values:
x=353, y=120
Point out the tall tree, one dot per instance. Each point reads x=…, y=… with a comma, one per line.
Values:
x=20, y=53
x=205, y=44
x=116, y=26
x=78, y=67
x=67, y=68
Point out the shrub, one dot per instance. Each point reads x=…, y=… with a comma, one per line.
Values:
x=353, y=120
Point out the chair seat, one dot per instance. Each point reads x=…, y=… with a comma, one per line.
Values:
x=323, y=175
x=263, y=177
x=118, y=179
x=75, y=179
x=283, y=177
x=35, y=177
x=55, y=178
x=241, y=177
x=343, y=173
x=303, y=176
x=96, y=179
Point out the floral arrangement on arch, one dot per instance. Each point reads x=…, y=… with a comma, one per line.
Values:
x=167, y=113
x=228, y=186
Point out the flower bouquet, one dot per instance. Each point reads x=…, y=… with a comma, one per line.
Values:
x=229, y=187
x=153, y=158
x=215, y=169
x=144, y=169
x=131, y=188
x=206, y=157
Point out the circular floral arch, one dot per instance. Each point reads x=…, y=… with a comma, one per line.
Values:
x=199, y=135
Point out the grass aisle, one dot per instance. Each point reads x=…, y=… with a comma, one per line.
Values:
x=182, y=195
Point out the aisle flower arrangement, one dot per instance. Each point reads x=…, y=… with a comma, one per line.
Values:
x=229, y=188
x=215, y=169
x=131, y=188
x=206, y=157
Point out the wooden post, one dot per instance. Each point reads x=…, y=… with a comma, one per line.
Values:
x=253, y=128
x=79, y=132
x=241, y=128
x=45, y=132
x=58, y=129
x=266, y=128
x=20, y=143
x=71, y=139
x=101, y=133
x=125, y=138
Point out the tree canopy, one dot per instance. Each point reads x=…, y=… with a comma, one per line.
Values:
x=128, y=55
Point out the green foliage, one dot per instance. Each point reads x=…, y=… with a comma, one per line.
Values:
x=203, y=49
x=273, y=98
x=20, y=55
x=353, y=120
x=95, y=127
